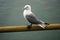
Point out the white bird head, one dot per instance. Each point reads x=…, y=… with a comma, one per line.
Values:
x=27, y=7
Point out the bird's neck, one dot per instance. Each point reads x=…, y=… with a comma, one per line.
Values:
x=26, y=12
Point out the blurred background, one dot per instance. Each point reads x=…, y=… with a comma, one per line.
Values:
x=11, y=13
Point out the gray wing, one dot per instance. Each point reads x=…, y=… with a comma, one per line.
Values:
x=32, y=19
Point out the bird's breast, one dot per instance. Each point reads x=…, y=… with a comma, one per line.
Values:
x=26, y=13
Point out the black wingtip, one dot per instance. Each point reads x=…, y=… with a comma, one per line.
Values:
x=47, y=23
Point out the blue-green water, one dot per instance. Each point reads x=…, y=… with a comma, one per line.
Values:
x=11, y=13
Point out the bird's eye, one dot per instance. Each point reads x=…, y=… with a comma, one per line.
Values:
x=27, y=7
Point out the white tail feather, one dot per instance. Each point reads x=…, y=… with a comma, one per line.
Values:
x=42, y=25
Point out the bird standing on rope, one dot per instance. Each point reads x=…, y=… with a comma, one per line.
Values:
x=31, y=18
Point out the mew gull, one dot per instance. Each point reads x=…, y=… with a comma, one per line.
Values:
x=31, y=18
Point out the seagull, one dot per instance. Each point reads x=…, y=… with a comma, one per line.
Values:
x=31, y=18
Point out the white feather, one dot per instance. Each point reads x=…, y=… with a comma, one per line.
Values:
x=42, y=25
